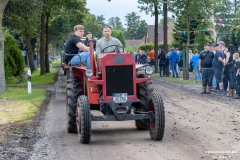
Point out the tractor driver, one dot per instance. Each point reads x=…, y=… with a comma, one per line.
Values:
x=107, y=40
x=74, y=44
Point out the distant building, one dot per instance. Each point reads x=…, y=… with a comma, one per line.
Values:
x=150, y=36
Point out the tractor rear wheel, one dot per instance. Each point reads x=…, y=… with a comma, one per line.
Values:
x=73, y=90
x=144, y=91
x=83, y=116
x=156, y=125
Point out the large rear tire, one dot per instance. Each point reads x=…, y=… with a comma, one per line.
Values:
x=83, y=116
x=144, y=91
x=157, y=125
x=73, y=90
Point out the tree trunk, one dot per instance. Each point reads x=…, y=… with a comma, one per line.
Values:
x=186, y=56
x=156, y=36
x=165, y=26
x=46, y=44
x=42, y=41
x=3, y=4
x=29, y=53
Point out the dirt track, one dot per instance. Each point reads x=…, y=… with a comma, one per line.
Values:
x=196, y=125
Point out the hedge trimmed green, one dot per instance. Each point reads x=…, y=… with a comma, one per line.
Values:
x=13, y=59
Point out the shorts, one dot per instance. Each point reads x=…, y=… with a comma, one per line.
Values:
x=218, y=75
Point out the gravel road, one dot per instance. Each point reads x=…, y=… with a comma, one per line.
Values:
x=197, y=127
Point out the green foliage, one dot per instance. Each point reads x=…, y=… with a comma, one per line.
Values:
x=232, y=37
x=14, y=62
x=91, y=25
x=64, y=16
x=149, y=46
x=148, y=6
x=136, y=28
x=119, y=35
x=115, y=23
x=131, y=49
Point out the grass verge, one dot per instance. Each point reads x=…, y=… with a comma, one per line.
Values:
x=18, y=105
x=36, y=79
x=176, y=80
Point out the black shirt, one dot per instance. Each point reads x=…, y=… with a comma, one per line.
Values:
x=236, y=67
x=207, y=59
x=71, y=47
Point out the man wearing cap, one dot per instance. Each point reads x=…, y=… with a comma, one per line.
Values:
x=174, y=57
x=205, y=66
x=74, y=44
x=218, y=64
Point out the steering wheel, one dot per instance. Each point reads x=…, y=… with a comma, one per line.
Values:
x=116, y=47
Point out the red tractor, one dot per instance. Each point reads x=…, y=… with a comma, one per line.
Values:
x=118, y=88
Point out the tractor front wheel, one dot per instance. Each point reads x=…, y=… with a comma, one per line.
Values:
x=156, y=125
x=83, y=116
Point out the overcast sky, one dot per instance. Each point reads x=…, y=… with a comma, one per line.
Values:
x=117, y=8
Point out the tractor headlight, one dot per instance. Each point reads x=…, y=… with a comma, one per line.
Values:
x=89, y=73
x=149, y=70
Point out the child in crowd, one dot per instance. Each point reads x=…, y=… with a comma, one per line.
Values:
x=237, y=74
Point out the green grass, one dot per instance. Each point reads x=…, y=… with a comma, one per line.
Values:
x=176, y=80
x=56, y=63
x=18, y=105
x=36, y=78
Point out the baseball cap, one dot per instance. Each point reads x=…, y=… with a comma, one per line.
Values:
x=215, y=45
x=221, y=42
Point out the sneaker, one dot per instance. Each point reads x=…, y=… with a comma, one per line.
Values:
x=221, y=92
x=203, y=92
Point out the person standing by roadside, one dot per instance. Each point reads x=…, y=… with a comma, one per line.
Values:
x=162, y=63
x=236, y=65
x=230, y=70
x=35, y=57
x=174, y=62
x=151, y=55
x=226, y=69
x=218, y=64
x=205, y=66
x=195, y=59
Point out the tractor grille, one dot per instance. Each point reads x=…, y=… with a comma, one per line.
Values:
x=119, y=79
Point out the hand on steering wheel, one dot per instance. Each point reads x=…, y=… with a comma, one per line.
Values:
x=116, y=47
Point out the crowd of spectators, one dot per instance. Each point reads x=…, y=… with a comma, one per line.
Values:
x=217, y=67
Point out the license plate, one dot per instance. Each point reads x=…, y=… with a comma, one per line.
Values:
x=120, y=97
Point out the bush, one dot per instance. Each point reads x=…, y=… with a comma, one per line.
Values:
x=119, y=35
x=149, y=46
x=13, y=59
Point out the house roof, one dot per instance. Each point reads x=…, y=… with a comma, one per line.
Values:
x=151, y=33
x=150, y=36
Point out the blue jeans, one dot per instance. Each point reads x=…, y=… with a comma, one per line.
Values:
x=214, y=82
x=81, y=58
x=35, y=63
x=174, y=69
x=198, y=75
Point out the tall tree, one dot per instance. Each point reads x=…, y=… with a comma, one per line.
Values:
x=187, y=10
x=22, y=18
x=91, y=25
x=115, y=23
x=132, y=23
x=3, y=4
x=165, y=26
x=101, y=20
x=153, y=8
x=141, y=30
